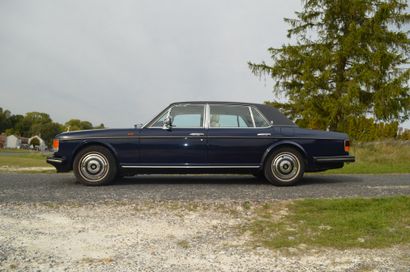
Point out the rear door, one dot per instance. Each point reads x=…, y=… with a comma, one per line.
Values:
x=238, y=135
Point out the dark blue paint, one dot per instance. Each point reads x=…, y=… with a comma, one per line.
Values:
x=176, y=146
x=216, y=147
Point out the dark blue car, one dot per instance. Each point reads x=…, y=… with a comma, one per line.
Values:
x=203, y=137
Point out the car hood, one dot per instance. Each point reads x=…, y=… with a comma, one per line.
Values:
x=94, y=133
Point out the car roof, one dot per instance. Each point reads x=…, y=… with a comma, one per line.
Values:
x=214, y=102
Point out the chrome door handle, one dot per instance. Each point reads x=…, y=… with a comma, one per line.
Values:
x=264, y=134
x=196, y=134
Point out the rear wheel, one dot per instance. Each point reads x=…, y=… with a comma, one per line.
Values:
x=95, y=166
x=284, y=167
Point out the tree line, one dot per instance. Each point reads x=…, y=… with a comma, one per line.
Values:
x=345, y=67
x=38, y=123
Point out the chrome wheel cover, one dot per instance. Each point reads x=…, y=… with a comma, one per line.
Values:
x=285, y=166
x=93, y=166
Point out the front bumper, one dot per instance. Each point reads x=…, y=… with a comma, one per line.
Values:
x=334, y=159
x=59, y=163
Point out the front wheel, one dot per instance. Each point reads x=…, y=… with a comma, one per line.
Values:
x=94, y=166
x=284, y=167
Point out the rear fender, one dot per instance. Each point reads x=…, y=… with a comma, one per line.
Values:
x=284, y=143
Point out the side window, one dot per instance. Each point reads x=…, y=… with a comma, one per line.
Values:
x=260, y=121
x=222, y=116
x=187, y=116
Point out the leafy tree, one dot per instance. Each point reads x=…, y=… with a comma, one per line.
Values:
x=49, y=131
x=10, y=131
x=101, y=126
x=35, y=142
x=14, y=120
x=4, y=119
x=31, y=124
x=38, y=123
x=77, y=124
x=347, y=62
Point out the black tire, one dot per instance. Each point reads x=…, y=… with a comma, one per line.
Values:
x=95, y=166
x=284, y=167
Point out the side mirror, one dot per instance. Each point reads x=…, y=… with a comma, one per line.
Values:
x=167, y=123
x=139, y=125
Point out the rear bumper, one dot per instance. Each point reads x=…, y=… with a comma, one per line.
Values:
x=334, y=159
x=59, y=163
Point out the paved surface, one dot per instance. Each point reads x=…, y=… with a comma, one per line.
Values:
x=63, y=188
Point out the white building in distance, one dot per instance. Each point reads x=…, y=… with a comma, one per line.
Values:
x=12, y=141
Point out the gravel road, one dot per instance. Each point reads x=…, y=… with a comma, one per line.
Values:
x=63, y=188
x=48, y=222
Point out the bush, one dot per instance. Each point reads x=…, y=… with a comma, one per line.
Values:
x=405, y=136
x=364, y=129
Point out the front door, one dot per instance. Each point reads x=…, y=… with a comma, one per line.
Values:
x=184, y=144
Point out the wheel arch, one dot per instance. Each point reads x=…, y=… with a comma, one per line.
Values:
x=285, y=143
x=86, y=144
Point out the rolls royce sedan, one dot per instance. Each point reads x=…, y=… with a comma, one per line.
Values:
x=203, y=137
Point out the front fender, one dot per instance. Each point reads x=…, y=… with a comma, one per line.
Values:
x=85, y=143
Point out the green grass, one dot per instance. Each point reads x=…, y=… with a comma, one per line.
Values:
x=7, y=150
x=336, y=223
x=378, y=158
x=22, y=158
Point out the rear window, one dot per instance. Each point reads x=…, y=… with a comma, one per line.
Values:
x=226, y=116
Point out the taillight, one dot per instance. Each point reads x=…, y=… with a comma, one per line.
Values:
x=56, y=145
x=347, y=145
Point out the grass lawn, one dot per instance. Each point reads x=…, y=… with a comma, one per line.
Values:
x=22, y=158
x=336, y=223
x=378, y=158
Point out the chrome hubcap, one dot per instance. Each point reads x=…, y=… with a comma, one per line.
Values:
x=94, y=166
x=285, y=166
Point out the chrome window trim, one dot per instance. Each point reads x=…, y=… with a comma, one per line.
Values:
x=204, y=117
x=253, y=120
x=208, y=116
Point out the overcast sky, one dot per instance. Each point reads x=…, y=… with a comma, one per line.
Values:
x=121, y=62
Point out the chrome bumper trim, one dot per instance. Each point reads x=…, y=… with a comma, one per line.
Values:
x=55, y=160
x=334, y=159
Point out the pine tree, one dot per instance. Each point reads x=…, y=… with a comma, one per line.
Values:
x=349, y=60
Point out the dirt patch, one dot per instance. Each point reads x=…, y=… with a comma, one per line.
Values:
x=165, y=236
